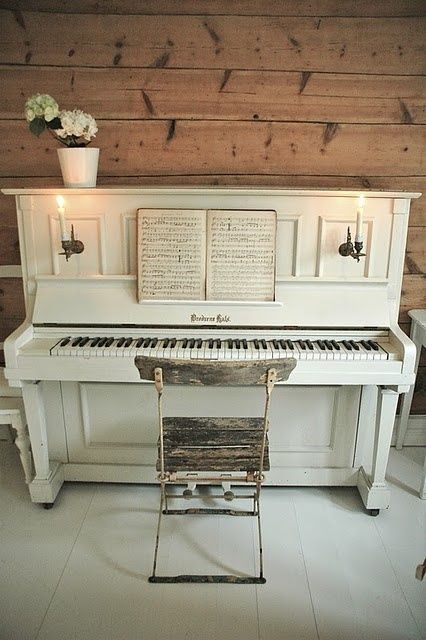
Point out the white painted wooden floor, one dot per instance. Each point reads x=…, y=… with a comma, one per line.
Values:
x=79, y=571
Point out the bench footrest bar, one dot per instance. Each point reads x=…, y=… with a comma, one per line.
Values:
x=227, y=579
x=225, y=512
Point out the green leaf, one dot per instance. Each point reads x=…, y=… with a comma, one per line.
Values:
x=37, y=126
x=54, y=124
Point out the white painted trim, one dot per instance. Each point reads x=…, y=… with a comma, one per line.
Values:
x=172, y=190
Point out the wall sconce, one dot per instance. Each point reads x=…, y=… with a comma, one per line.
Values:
x=69, y=244
x=348, y=248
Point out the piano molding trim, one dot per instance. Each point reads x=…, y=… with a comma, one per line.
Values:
x=212, y=190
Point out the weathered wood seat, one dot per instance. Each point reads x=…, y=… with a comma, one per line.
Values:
x=213, y=444
x=213, y=450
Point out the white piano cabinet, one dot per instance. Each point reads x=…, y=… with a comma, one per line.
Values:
x=109, y=424
x=91, y=418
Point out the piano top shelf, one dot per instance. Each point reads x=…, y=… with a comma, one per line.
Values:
x=217, y=190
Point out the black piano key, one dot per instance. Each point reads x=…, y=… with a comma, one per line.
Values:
x=191, y=343
x=65, y=342
x=145, y=342
x=237, y=343
x=309, y=345
x=354, y=344
x=94, y=342
x=102, y=342
x=256, y=343
x=120, y=342
x=263, y=344
x=373, y=345
x=290, y=345
x=347, y=344
x=245, y=345
x=365, y=344
x=275, y=344
x=128, y=342
x=199, y=343
x=84, y=341
x=230, y=344
x=211, y=343
x=173, y=343
x=109, y=342
x=321, y=344
x=335, y=345
x=184, y=343
x=328, y=345
x=153, y=342
x=140, y=343
x=283, y=344
x=302, y=344
x=77, y=341
x=165, y=343
x=218, y=343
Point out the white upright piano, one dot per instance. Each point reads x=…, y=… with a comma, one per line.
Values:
x=89, y=416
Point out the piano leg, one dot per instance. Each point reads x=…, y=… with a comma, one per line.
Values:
x=49, y=475
x=373, y=488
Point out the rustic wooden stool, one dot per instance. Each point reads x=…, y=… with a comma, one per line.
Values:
x=213, y=451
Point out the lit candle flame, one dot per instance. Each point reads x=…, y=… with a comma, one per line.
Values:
x=361, y=200
x=60, y=201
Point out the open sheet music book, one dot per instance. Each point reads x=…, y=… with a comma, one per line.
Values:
x=198, y=254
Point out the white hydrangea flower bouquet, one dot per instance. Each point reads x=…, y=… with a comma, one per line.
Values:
x=72, y=128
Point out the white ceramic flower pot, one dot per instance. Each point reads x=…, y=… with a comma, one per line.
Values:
x=79, y=166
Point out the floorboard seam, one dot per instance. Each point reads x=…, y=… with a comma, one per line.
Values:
x=66, y=563
x=419, y=631
x=306, y=570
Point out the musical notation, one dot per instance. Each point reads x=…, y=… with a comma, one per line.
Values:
x=171, y=254
x=241, y=255
x=213, y=255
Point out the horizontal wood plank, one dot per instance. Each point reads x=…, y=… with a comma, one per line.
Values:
x=223, y=94
x=345, y=8
x=413, y=295
x=9, y=245
x=415, y=258
x=206, y=147
x=12, y=307
x=359, y=45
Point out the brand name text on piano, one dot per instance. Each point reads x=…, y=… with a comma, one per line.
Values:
x=218, y=319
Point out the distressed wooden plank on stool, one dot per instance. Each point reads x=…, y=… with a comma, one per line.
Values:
x=215, y=373
x=213, y=444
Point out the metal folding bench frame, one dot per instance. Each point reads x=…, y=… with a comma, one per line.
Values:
x=215, y=455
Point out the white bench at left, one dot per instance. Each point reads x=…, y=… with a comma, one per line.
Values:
x=12, y=412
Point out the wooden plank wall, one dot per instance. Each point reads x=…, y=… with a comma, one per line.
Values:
x=318, y=93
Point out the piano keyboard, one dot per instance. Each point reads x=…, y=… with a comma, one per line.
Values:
x=219, y=349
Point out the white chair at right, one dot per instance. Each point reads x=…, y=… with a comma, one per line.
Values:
x=418, y=336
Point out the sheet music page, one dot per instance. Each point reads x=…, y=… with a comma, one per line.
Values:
x=171, y=254
x=241, y=255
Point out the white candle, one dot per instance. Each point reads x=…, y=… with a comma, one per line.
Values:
x=62, y=222
x=360, y=219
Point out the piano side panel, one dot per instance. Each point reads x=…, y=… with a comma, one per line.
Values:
x=117, y=423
